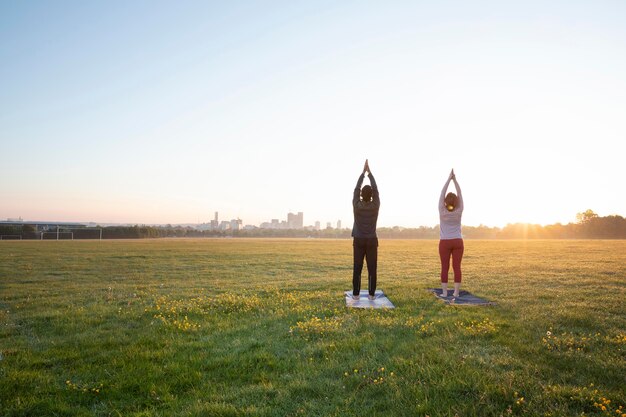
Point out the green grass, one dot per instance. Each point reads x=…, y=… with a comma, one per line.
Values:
x=259, y=328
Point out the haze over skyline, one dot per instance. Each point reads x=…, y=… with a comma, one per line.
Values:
x=159, y=112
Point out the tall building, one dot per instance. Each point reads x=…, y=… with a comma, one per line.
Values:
x=236, y=224
x=295, y=221
x=328, y=225
x=317, y=225
x=215, y=223
x=338, y=224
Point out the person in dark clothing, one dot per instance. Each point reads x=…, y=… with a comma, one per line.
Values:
x=365, y=204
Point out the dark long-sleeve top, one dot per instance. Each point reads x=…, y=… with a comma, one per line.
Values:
x=365, y=212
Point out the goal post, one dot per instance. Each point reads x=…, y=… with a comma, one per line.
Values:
x=72, y=233
x=92, y=233
x=54, y=232
x=58, y=235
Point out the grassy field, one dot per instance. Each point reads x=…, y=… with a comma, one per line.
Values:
x=259, y=328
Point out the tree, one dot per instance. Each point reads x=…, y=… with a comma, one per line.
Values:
x=586, y=216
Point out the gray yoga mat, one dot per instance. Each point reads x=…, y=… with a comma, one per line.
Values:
x=380, y=300
x=465, y=298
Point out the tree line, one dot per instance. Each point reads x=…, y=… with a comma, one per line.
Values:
x=588, y=225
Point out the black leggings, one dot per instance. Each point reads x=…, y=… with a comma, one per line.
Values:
x=365, y=247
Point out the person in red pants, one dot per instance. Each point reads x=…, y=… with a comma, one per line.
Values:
x=451, y=240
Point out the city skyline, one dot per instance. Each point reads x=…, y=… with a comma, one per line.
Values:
x=123, y=113
x=294, y=221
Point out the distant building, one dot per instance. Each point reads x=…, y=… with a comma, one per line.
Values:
x=204, y=226
x=38, y=226
x=236, y=224
x=318, y=226
x=295, y=221
x=338, y=224
x=328, y=225
x=224, y=225
x=214, y=223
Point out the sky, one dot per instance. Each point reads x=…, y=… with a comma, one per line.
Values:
x=157, y=112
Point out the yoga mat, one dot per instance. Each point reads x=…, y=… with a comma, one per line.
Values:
x=465, y=298
x=380, y=300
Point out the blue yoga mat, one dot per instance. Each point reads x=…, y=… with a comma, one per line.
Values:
x=465, y=298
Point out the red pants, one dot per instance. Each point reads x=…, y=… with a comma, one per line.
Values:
x=454, y=248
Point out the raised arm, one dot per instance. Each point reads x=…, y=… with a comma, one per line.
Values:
x=375, y=195
x=458, y=194
x=356, y=197
x=443, y=192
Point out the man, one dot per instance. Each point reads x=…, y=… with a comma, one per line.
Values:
x=365, y=204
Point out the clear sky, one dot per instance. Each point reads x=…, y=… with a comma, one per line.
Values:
x=165, y=112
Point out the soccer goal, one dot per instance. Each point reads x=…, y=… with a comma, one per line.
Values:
x=58, y=235
x=72, y=233
x=86, y=233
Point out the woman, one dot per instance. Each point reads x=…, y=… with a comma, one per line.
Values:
x=451, y=240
